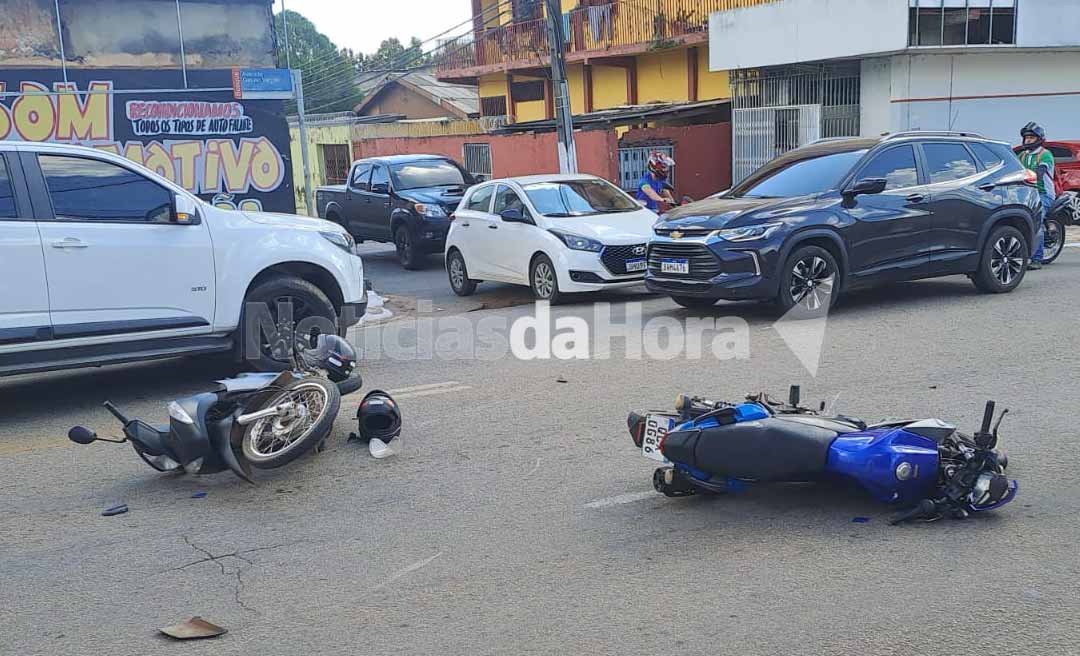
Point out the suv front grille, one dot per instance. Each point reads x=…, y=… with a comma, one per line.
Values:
x=704, y=265
x=615, y=257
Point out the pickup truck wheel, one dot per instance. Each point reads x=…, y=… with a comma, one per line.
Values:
x=307, y=300
x=406, y=249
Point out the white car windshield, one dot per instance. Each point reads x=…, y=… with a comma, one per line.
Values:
x=579, y=198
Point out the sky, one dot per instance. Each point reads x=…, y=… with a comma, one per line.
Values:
x=363, y=24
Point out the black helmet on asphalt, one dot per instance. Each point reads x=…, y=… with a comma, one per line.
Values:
x=379, y=417
x=334, y=355
x=1033, y=129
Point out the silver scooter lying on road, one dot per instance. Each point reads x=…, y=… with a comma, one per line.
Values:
x=262, y=420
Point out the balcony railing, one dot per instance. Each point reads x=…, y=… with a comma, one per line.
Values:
x=619, y=24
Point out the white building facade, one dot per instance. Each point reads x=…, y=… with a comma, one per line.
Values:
x=986, y=66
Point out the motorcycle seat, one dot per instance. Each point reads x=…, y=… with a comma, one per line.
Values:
x=779, y=448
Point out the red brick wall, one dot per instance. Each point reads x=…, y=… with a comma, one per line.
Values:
x=511, y=155
x=702, y=155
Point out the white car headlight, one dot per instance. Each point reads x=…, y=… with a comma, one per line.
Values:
x=342, y=240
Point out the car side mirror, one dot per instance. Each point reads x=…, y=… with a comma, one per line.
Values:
x=184, y=211
x=380, y=188
x=867, y=186
x=514, y=215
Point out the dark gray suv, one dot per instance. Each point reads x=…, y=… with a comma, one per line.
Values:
x=843, y=213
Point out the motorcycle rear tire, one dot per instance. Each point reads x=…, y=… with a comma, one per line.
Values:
x=308, y=440
x=1057, y=226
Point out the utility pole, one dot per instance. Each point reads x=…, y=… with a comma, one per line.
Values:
x=564, y=121
x=298, y=92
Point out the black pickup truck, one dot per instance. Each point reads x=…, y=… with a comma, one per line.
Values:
x=404, y=199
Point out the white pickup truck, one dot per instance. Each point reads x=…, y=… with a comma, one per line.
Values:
x=103, y=261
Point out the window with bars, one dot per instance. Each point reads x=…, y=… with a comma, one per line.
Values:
x=336, y=160
x=477, y=158
x=962, y=22
x=493, y=106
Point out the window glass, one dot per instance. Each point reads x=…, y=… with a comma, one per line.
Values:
x=94, y=190
x=480, y=201
x=361, y=177
x=896, y=165
x=1061, y=155
x=7, y=194
x=427, y=173
x=380, y=176
x=799, y=177
x=579, y=198
x=507, y=199
x=945, y=162
x=988, y=157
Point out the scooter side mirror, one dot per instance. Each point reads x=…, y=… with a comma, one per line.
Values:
x=82, y=435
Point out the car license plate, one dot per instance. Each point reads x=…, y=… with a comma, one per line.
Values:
x=674, y=266
x=656, y=427
x=635, y=265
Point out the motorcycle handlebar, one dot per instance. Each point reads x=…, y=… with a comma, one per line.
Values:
x=988, y=416
x=116, y=413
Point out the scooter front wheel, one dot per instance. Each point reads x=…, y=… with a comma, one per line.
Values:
x=1054, y=242
x=307, y=410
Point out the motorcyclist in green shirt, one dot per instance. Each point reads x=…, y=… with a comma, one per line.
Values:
x=1037, y=158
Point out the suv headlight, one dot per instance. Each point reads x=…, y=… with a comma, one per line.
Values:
x=577, y=243
x=430, y=211
x=342, y=240
x=748, y=233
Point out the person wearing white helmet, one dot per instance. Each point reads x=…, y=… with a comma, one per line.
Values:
x=653, y=188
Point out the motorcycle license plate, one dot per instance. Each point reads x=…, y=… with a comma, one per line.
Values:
x=635, y=265
x=656, y=427
x=674, y=266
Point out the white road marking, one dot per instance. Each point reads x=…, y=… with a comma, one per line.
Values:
x=417, y=388
x=432, y=392
x=420, y=564
x=621, y=499
x=1074, y=244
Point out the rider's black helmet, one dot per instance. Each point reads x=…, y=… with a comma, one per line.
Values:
x=1033, y=129
x=379, y=417
x=334, y=355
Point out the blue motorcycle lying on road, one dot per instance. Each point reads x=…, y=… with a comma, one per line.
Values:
x=927, y=466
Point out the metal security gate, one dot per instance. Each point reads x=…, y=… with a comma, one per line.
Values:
x=634, y=160
x=777, y=110
x=477, y=158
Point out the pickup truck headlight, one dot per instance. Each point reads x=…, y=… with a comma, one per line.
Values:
x=430, y=211
x=577, y=243
x=342, y=240
x=748, y=233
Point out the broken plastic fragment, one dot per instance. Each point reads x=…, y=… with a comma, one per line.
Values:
x=198, y=495
x=193, y=629
x=115, y=510
x=860, y=520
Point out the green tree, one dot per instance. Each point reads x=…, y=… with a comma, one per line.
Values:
x=329, y=73
x=392, y=54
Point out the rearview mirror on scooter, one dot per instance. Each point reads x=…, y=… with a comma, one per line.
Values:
x=82, y=435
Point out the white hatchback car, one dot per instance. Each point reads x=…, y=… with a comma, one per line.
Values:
x=553, y=233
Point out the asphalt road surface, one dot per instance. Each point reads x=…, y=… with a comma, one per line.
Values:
x=518, y=518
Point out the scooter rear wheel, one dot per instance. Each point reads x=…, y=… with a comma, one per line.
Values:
x=277, y=440
x=1054, y=241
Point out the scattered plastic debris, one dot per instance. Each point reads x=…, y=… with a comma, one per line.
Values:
x=115, y=510
x=560, y=379
x=376, y=310
x=860, y=520
x=198, y=495
x=194, y=629
x=482, y=306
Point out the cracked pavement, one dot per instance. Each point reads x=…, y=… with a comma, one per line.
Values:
x=518, y=518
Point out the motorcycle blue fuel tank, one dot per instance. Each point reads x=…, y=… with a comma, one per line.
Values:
x=892, y=464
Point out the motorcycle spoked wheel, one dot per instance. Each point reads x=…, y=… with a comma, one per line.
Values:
x=273, y=442
x=1054, y=241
